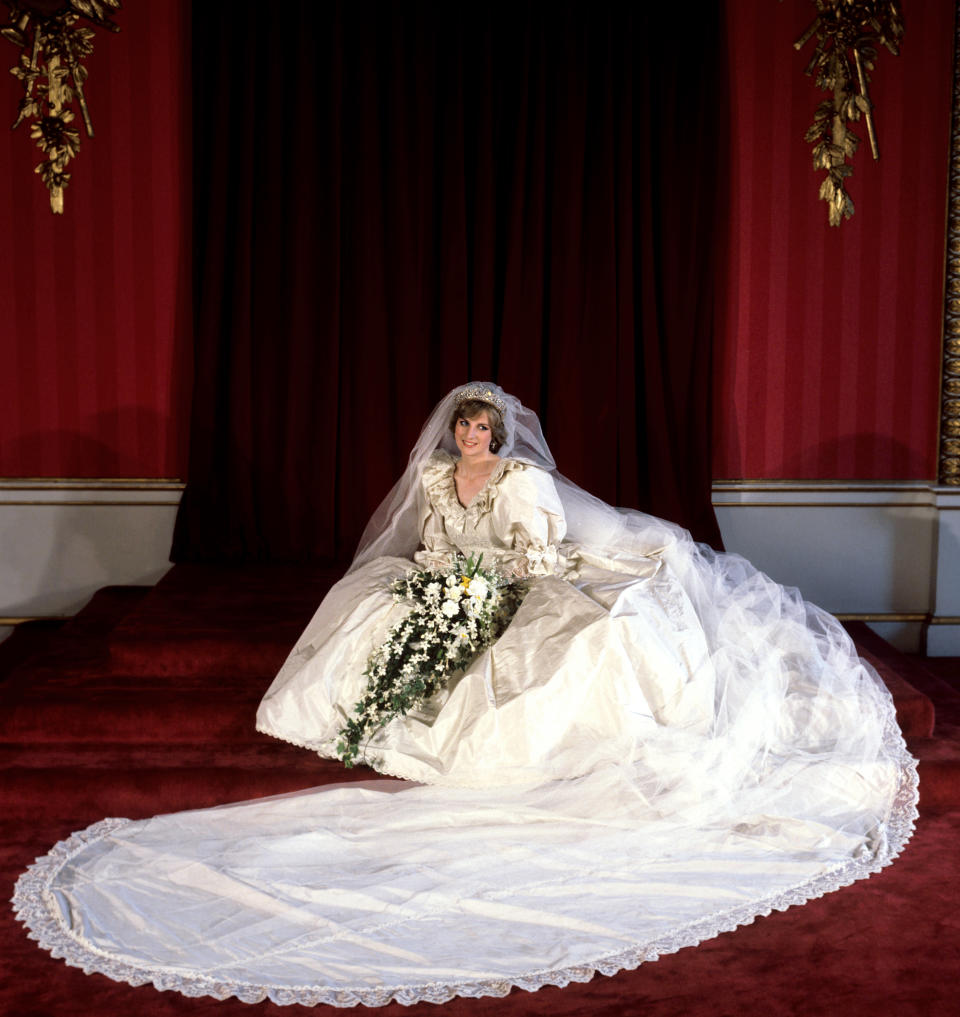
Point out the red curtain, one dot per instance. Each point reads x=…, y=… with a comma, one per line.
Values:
x=392, y=199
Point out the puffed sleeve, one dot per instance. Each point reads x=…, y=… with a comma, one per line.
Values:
x=527, y=515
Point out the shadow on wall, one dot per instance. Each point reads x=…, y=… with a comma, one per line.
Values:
x=125, y=442
x=862, y=456
x=852, y=457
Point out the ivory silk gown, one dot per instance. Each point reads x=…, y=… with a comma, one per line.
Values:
x=664, y=744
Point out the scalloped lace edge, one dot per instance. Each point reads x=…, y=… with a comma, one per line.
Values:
x=34, y=906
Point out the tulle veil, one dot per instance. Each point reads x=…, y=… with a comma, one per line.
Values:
x=592, y=523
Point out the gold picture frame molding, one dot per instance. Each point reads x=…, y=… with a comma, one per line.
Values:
x=948, y=451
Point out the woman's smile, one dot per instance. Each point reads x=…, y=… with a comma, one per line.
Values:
x=473, y=435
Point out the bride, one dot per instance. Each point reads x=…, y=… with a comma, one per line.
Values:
x=661, y=746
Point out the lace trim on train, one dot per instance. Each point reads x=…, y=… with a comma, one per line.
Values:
x=34, y=905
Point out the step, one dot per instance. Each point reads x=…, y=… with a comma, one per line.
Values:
x=27, y=641
x=945, y=696
x=148, y=791
x=105, y=610
x=52, y=638
x=112, y=713
x=255, y=750
x=62, y=644
x=221, y=620
x=939, y=770
x=944, y=669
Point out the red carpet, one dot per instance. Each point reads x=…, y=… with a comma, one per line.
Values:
x=144, y=703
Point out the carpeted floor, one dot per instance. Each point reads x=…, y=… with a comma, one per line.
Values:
x=144, y=703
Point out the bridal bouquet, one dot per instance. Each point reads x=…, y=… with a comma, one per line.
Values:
x=455, y=615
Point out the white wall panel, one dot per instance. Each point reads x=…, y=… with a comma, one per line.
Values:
x=873, y=551
x=61, y=541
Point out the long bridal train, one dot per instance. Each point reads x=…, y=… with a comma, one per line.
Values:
x=363, y=894
x=360, y=894
x=664, y=745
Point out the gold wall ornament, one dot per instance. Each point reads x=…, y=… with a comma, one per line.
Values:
x=948, y=457
x=849, y=33
x=52, y=49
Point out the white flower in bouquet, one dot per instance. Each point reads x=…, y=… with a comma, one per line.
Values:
x=450, y=608
x=478, y=588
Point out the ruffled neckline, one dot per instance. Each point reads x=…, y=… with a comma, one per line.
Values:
x=442, y=488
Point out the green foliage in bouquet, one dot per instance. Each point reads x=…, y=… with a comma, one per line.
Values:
x=455, y=614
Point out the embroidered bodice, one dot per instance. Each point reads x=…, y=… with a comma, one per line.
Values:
x=515, y=520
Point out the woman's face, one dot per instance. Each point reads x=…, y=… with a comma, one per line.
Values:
x=473, y=435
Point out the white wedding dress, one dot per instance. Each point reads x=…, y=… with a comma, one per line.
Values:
x=663, y=745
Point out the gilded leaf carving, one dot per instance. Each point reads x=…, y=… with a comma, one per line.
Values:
x=849, y=34
x=52, y=45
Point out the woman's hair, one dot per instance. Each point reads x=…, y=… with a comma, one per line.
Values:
x=469, y=408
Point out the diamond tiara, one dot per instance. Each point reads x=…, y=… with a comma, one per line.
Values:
x=483, y=395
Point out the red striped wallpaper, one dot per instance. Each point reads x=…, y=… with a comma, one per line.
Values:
x=828, y=339
x=828, y=351
x=95, y=304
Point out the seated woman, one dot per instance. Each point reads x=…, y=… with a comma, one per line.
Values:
x=605, y=650
x=662, y=745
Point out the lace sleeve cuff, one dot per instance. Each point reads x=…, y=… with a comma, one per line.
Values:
x=541, y=561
